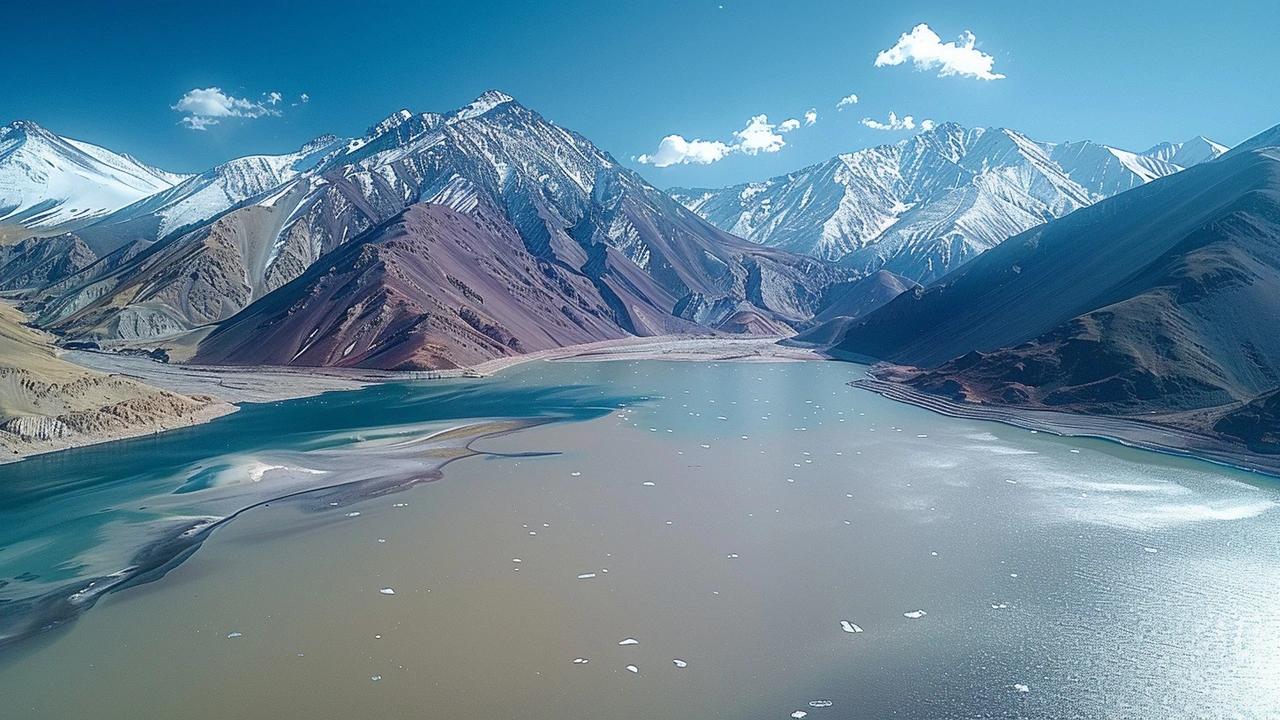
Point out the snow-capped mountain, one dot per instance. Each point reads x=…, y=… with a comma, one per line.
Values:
x=655, y=265
x=49, y=182
x=201, y=198
x=923, y=206
x=1185, y=154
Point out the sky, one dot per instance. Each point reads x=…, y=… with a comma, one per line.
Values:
x=184, y=86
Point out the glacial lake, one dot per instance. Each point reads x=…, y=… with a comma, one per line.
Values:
x=798, y=545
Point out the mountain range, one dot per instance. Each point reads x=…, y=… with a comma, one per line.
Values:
x=1159, y=302
x=928, y=204
x=543, y=222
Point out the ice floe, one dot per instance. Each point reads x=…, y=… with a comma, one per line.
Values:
x=1021, y=688
x=580, y=661
x=820, y=703
x=849, y=627
x=387, y=591
x=633, y=668
x=680, y=663
x=799, y=714
x=914, y=614
x=586, y=576
x=629, y=641
x=234, y=635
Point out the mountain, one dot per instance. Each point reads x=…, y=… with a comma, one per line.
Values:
x=1162, y=299
x=1185, y=154
x=202, y=198
x=928, y=204
x=202, y=251
x=434, y=288
x=849, y=302
x=49, y=182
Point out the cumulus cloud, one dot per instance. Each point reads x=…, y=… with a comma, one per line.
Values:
x=758, y=136
x=927, y=125
x=925, y=49
x=675, y=150
x=205, y=107
x=848, y=100
x=905, y=122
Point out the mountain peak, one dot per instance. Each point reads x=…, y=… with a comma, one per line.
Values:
x=487, y=101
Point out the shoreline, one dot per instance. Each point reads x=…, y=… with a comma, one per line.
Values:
x=1129, y=432
x=234, y=385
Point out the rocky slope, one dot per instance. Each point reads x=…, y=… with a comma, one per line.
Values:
x=249, y=227
x=47, y=403
x=928, y=204
x=1159, y=300
x=432, y=289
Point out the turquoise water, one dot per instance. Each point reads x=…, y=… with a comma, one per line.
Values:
x=730, y=516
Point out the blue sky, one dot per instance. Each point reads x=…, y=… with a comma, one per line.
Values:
x=628, y=74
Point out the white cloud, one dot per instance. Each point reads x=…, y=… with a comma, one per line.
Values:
x=758, y=136
x=927, y=125
x=203, y=107
x=305, y=97
x=923, y=47
x=905, y=122
x=675, y=150
x=849, y=100
x=196, y=122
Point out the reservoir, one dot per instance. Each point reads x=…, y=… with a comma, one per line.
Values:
x=633, y=539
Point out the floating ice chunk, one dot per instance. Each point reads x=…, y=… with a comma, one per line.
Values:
x=516, y=560
x=382, y=540
x=353, y=514
x=733, y=556
x=1012, y=482
x=922, y=436
x=1021, y=688
x=1075, y=451
x=914, y=614
x=819, y=703
x=629, y=641
x=648, y=483
x=1013, y=575
x=575, y=473
x=387, y=591
x=580, y=661
x=849, y=627
x=1150, y=550
x=705, y=446
x=586, y=576
x=680, y=663
x=376, y=678
x=401, y=505
x=799, y=714
x=1000, y=606
x=633, y=668
x=234, y=635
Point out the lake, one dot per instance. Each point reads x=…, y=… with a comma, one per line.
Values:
x=773, y=541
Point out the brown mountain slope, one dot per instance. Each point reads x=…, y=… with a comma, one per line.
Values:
x=434, y=288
